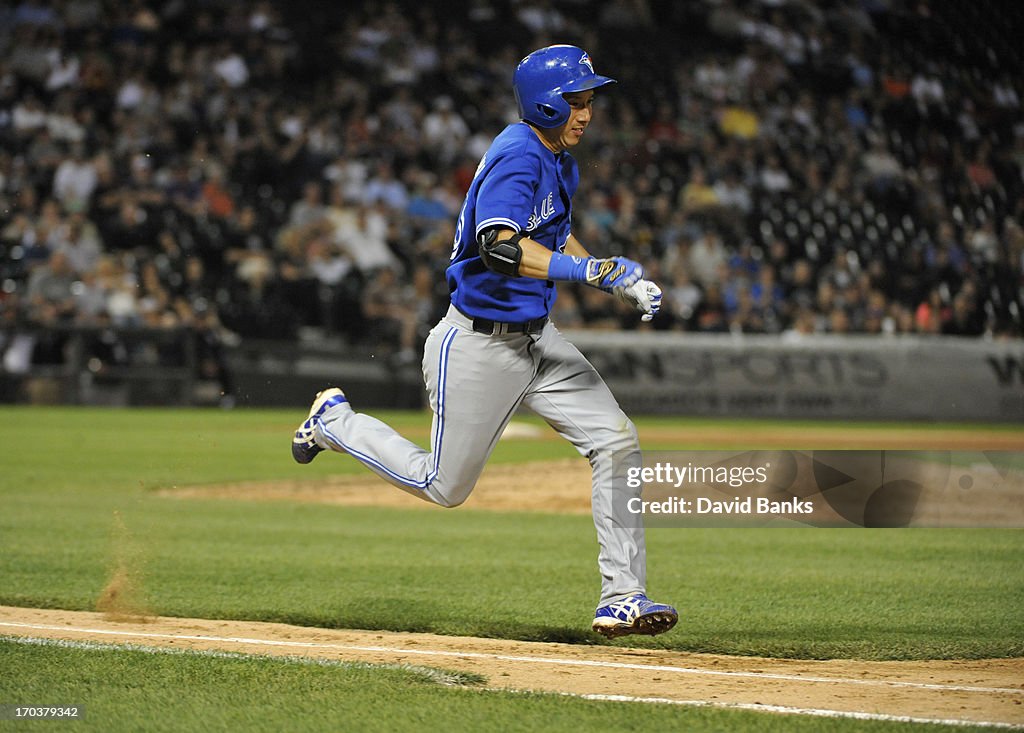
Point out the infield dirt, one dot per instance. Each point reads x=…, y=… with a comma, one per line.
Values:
x=984, y=691
x=563, y=486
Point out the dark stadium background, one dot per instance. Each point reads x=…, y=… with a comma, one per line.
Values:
x=282, y=178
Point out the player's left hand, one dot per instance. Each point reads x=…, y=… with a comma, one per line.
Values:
x=643, y=295
x=612, y=273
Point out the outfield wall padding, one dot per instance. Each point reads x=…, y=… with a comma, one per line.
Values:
x=853, y=377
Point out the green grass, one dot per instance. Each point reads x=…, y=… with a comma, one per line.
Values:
x=78, y=498
x=159, y=691
x=878, y=594
x=77, y=493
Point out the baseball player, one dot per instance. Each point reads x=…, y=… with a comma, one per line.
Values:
x=495, y=350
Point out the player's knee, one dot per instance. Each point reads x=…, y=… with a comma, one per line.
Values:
x=618, y=437
x=621, y=436
x=450, y=496
x=450, y=502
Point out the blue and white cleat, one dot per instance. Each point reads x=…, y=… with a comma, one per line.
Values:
x=636, y=614
x=304, y=447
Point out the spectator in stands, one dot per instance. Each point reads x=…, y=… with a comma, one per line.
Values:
x=309, y=210
x=707, y=255
x=964, y=318
x=218, y=200
x=932, y=313
x=75, y=180
x=697, y=195
x=881, y=167
x=77, y=239
x=444, y=130
x=774, y=178
x=682, y=295
x=391, y=310
x=711, y=316
x=215, y=134
x=732, y=194
x=50, y=291
x=384, y=188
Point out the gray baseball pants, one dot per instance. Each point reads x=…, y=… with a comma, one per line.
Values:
x=475, y=383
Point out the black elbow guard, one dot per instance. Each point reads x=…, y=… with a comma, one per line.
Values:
x=502, y=257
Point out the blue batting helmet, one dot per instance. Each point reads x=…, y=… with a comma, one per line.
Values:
x=545, y=75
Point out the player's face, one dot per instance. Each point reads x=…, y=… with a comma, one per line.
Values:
x=581, y=106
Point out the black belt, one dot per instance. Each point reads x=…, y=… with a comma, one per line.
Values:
x=494, y=328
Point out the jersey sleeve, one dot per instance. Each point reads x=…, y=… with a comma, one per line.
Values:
x=507, y=191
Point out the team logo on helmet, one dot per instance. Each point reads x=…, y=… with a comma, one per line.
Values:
x=585, y=60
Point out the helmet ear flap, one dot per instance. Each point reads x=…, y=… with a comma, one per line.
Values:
x=547, y=111
x=552, y=109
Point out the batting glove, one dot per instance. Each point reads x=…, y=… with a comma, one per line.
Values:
x=615, y=272
x=643, y=295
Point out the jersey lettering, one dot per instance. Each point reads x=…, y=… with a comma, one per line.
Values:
x=547, y=210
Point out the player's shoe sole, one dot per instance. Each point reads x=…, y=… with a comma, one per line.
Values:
x=304, y=447
x=634, y=615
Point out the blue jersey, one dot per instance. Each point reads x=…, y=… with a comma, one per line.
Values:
x=519, y=185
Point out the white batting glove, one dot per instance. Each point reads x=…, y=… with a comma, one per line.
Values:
x=643, y=295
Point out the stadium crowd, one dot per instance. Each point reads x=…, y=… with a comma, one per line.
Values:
x=278, y=169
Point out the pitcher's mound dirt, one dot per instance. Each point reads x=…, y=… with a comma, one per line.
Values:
x=561, y=486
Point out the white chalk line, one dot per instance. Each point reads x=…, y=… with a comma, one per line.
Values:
x=525, y=659
x=753, y=707
x=814, y=712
